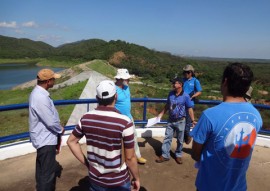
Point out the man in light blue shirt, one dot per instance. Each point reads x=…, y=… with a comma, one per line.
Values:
x=44, y=129
x=123, y=104
x=192, y=87
x=225, y=135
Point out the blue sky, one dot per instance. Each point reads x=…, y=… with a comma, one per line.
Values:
x=215, y=28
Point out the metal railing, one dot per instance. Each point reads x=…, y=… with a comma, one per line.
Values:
x=91, y=101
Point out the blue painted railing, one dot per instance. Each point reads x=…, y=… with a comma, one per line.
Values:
x=90, y=101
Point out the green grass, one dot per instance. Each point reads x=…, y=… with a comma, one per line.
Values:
x=103, y=67
x=57, y=64
x=18, y=61
x=16, y=121
x=13, y=122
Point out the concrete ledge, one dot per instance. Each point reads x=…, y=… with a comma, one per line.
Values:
x=25, y=147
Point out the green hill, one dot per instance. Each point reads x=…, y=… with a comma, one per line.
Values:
x=23, y=48
x=151, y=65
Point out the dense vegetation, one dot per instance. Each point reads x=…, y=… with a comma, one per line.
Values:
x=153, y=67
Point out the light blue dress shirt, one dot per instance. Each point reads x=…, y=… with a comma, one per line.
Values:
x=44, y=122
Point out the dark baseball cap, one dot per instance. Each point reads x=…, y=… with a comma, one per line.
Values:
x=177, y=79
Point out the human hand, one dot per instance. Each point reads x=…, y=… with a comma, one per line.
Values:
x=135, y=184
x=193, y=124
x=63, y=130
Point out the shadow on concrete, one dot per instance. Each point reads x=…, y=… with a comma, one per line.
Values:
x=154, y=143
x=142, y=189
x=83, y=185
x=187, y=150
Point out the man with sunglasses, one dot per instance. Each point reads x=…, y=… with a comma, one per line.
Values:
x=44, y=129
x=123, y=104
x=193, y=88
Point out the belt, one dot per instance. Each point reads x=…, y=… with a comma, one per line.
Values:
x=175, y=120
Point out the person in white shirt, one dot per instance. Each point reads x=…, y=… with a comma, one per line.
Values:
x=44, y=129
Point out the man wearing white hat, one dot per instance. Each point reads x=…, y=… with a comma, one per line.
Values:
x=123, y=103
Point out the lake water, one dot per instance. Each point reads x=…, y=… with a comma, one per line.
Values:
x=15, y=74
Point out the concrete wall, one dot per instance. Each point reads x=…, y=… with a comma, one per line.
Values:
x=23, y=148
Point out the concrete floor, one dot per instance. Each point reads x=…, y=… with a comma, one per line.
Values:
x=18, y=173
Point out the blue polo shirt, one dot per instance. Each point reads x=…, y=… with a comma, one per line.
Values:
x=123, y=103
x=192, y=85
x=178, y=105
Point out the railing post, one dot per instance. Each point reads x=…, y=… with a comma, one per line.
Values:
x=144, y=109
x=88, y=107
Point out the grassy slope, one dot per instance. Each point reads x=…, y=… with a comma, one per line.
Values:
x=13, y=122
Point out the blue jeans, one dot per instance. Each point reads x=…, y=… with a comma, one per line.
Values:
x=179, y=127
x=125, y=187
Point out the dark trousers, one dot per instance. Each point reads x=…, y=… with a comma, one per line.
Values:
x=46, y=168
x=188, y=126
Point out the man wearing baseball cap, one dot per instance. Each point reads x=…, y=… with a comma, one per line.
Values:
x=110, y=144
x=178, y=106
x=44, y=129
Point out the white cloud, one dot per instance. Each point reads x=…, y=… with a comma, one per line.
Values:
x=12, y=24
x=18, y=31
x=49, y=38
x=29, y=24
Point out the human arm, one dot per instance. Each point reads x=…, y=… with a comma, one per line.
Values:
x=131, y=161
x=197, y=89
x=164, y=110
x=195, y=95
x=74, y=146
x=44, y=108
x=200, y=133
x=191, y=114
x=196, y=151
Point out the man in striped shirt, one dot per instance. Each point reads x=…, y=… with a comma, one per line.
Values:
x=108, y=161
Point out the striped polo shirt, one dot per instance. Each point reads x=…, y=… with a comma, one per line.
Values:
x=104, y=129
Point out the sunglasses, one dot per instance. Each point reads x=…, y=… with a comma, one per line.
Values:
x=186, y=72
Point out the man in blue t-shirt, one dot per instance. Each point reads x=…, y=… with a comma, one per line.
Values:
x=123, y=104
x=224, y=136
x=178, y=102
x=192, y=87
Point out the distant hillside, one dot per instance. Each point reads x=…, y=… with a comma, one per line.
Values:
x=155, y=66
x=246, y=60
x=22, y=48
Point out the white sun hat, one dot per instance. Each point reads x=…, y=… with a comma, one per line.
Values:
x=122, y=74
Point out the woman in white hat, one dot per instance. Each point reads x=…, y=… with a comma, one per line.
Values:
x=123, y=103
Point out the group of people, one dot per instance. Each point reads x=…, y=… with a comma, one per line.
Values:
x=223, y=137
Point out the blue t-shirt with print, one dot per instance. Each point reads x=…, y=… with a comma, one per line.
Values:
x=191, y=86
x=123, y=102
x=228, y=133
x=178, y=105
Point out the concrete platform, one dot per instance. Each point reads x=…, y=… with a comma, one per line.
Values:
x=19, y=173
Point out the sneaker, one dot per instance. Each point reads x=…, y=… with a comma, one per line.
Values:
x=179, y=160
x=141, y=160
x=161, y=159
x=188, y=140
